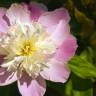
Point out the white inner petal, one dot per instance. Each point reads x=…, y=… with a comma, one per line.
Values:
x=27, y=48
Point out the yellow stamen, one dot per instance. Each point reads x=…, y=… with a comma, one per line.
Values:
x=27, y=48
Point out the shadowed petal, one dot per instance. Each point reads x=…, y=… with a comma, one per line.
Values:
x=6, y=77
x=3, y=23
x=36, y=87
x=1, y=59
x=36, y=10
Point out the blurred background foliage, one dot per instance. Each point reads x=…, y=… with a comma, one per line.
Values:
x=82, y=81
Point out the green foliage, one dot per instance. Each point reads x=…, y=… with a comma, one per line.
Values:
x=79, y=87
x=81, y=67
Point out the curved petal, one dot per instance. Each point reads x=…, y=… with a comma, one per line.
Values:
x=67, y=50
x=57, y=71
x=35, y=88
x=6, y=77
x=60, y=33
x=36, y=10
x=3, y=23
x=49, y=19
x=23, y=15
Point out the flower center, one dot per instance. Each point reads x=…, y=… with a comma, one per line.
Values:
x=27, y=48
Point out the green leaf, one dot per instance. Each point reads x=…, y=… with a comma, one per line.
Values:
x=83, y=93
x=77, y=86
x=68, y=88
x=88, y=54
x=81, y=87
x=82, y=68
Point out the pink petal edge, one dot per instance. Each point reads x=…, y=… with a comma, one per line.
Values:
x=3, y=23
x=37, y=9
x=57, y=71
x=49, y=19
x=35, y=88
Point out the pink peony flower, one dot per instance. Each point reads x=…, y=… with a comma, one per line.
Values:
x=34, y=45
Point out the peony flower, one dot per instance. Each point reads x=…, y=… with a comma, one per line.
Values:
x=35, y=45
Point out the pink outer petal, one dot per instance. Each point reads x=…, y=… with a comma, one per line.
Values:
x=56, y=72
x=6, y=77
x=36, y=10
x=49, y=19
x=67, y=50
x=3, y=23
x=60, y=33
x=18, y=12
x=35, y=88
